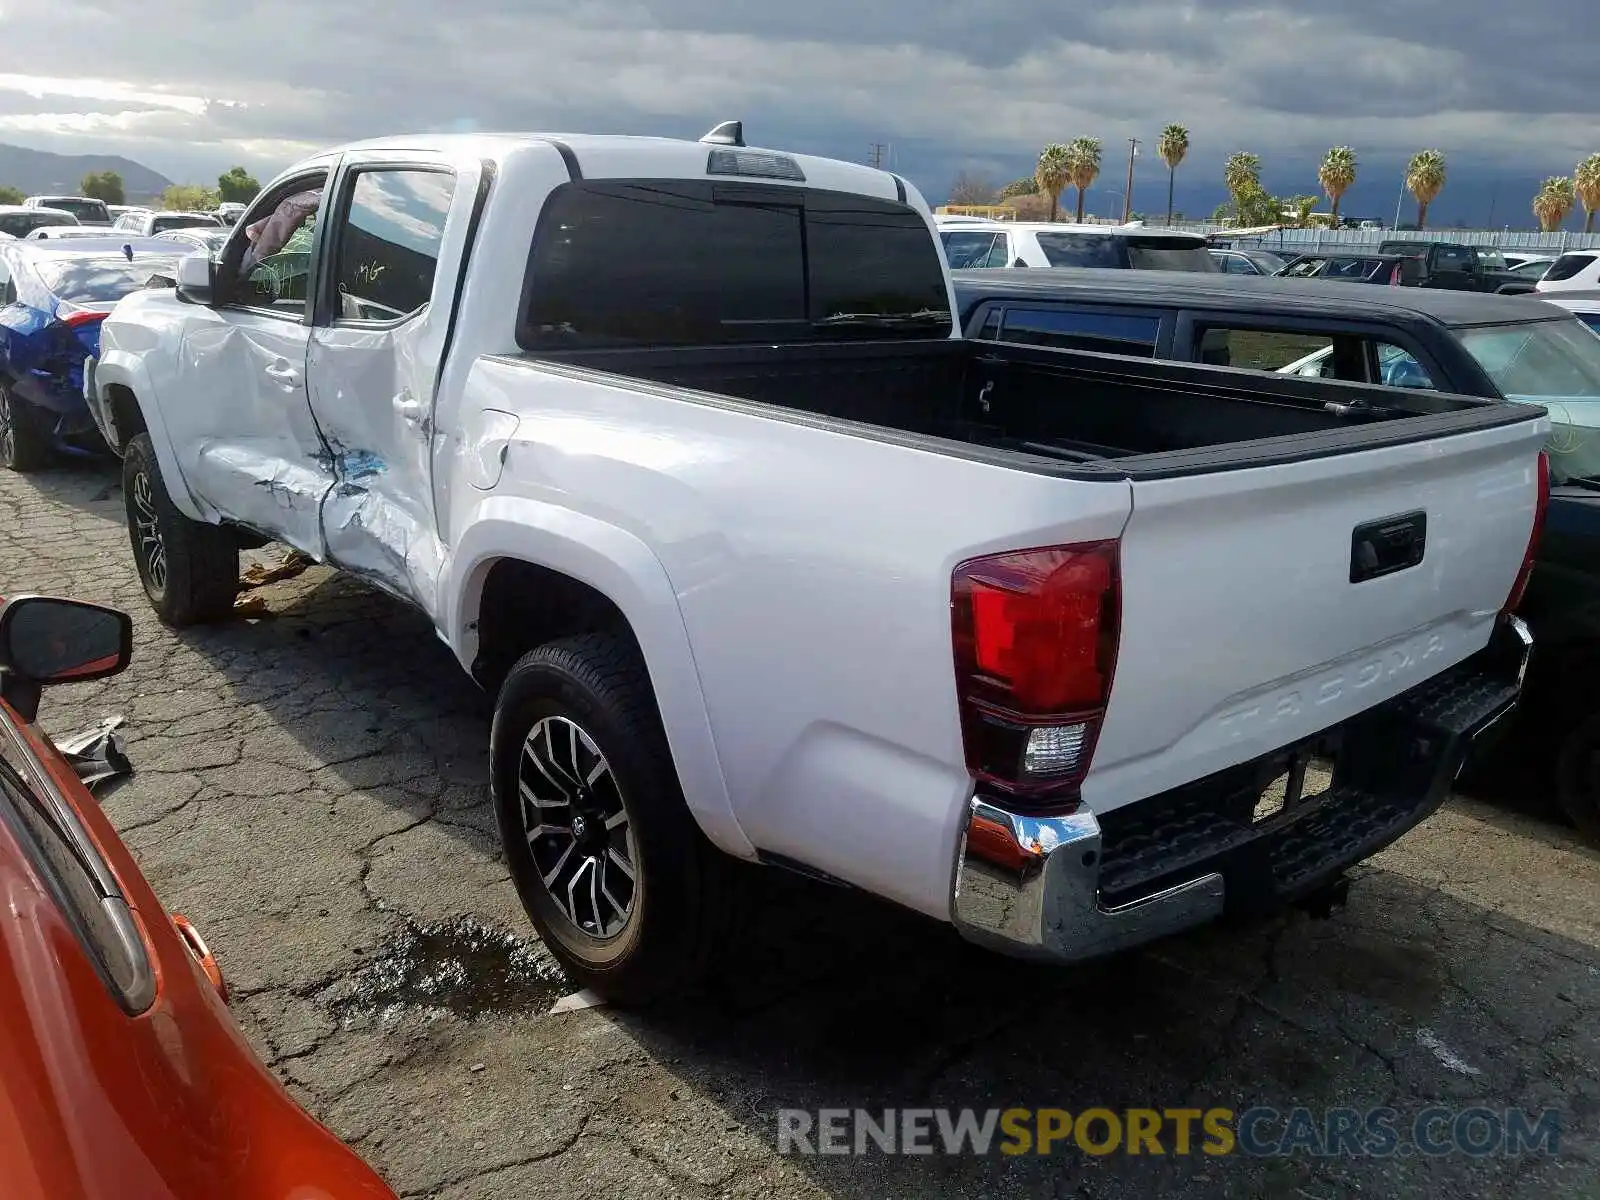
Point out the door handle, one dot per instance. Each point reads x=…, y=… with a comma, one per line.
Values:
x=283, y=373
x=408, y=406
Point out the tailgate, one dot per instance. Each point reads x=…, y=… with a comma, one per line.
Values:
x=1242, y=631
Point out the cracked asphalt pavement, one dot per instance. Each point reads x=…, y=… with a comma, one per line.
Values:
x=311, y=789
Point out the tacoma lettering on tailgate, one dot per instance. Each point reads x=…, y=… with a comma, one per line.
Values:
x=1395, y=662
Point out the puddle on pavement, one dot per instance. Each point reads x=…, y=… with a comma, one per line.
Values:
x=462, y=967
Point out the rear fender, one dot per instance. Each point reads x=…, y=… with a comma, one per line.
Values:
x=624, y=569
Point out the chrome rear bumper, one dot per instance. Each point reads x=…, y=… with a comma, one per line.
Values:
x=1076, y=886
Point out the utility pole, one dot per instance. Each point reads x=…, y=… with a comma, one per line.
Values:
x=1127, y=195
x=877, y=154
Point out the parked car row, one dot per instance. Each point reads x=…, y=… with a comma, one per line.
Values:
x=982, y=243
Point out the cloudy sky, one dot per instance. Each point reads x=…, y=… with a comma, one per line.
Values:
x=189, y=88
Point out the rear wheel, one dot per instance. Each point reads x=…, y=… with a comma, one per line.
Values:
x=190, y=570
x=616, y=876
x=1578, y=777
x=23, y=445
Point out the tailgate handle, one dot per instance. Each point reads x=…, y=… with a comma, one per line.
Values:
x=1385, y=546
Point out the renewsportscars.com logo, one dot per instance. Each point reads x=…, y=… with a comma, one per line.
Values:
x=1256, y=1132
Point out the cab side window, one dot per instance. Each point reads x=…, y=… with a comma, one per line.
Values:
x=1105, y=332
x=386, y=251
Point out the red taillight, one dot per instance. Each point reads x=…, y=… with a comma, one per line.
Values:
x=1035, y=645
x=1520, y=587
x=82, y=317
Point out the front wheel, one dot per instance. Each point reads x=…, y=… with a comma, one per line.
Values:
x=613, y=871
x=190, y=570
x=23, y=445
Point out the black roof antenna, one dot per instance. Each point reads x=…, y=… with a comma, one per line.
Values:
x=729, y=133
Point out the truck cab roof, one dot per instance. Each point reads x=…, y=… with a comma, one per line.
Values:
x=628, y=156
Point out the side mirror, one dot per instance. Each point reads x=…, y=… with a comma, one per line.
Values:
x=44, y=640
x=197, y=278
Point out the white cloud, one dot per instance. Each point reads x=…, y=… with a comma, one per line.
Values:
x=191, y=86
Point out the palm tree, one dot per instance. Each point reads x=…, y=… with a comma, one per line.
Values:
x=1241, y=175
x=1051, y=174
x=1425, y=179
x=1553, y=202
x=1586, y=181
x=1337, y=174
x=1083, y=166
x=1173, y=147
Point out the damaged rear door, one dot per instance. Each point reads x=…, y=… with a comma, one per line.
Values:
x=395, y=247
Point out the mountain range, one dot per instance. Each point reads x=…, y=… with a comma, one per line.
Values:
x=33, y=172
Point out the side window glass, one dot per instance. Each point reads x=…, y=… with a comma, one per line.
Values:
x=1397, y=368
x=1266, y=350
x=999, y=253
x=968, y=249
x=388, y=245
x=1107, y=333
x=275, y=270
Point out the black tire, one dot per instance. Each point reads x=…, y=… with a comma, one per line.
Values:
x=638, y=941
x=23, y=444
x=1578, y=777
x=190, y=570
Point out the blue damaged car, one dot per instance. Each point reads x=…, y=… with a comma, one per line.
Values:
x=53, y=296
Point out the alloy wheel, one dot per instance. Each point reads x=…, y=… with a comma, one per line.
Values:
x=577, y=828
x=148, y=533
x=8, y=430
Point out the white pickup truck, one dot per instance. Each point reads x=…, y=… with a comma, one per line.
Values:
x=680, y=449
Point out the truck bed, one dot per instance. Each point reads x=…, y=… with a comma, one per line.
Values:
x=1087, y=412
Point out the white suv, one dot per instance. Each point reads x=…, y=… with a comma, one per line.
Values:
x=148, y=224
x=968, y=243
x=1576, y=270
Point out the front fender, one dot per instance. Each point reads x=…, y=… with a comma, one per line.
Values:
x=624, y=569
x=119, y=368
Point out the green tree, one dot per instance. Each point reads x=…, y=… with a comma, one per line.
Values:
x=1241, y=175
x=188, y=197
x=1052, y=174
x=237, y=186
x=1020, y=187
x=1425, y=175
x=1173, y=147
x=1254, y=205
x=1337, y=174
x=105, y=186
x=11, y=195
x=1553, y=201
x=1302, y=207
x=1083, y=166
x=1586, y=182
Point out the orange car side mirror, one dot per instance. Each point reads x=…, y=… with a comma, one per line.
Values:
x=45, y=640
